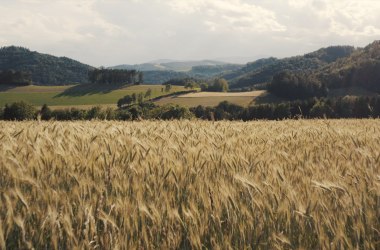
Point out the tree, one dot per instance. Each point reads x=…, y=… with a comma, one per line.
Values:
x=18, y=78
x=19, y=111
x=123, y=115
x=217, y=85
x=140, y=78
x=221, y=85
x=134, y=98
x=140, y=98
x=321, y=110
x=362, y=108
x=204, y=87
x=1, y=113
x=281, y=111
x=191, y=85
x=229, y=111
x=45, y=113
x=170, y=112
x=95, y=113
x=168, y=87
x=126, y=100
x=148, y=93
x=115, y=76
x=296, y=86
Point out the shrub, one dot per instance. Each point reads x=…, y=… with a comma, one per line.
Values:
x=321, y=110
x=170, y=112
x=77, y=114
x=95, y=113
x=281, y=111
x=123, y=115
x=45, y=113
x=1, y=113
x=19, y=111
x=61, y=115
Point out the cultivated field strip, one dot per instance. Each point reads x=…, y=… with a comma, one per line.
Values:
x=190, y=185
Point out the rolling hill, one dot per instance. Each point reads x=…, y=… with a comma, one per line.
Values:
x=263, y=70
x=360, y=69
x=45, y=69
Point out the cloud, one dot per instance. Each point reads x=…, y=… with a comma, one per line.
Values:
x=346, y=18
x=230, y=15
x=107, y=32
x=54, y=21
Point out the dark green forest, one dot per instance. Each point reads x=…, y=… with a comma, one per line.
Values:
x=263, y=70
x=360, y=69
x=161, y=76
x=17, y=78
x=115, y=76
x=44, y=69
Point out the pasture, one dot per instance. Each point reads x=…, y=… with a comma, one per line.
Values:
x=80, y=96
x=212, y=98
x=300, y=184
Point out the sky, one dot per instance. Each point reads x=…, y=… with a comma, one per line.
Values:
x=112, y=32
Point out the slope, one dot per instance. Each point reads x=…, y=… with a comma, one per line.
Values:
x=45, y=69
x=262, y=71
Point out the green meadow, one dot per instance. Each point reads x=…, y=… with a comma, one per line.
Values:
x=77, y=95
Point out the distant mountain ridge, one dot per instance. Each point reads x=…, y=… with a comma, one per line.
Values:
x=45, y=69
x=169, y=65
x=160, y=71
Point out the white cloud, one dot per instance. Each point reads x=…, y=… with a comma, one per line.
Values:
x=224, y=15
x=54, y=21
x=345, y=17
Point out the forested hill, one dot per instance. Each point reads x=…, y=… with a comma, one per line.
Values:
x=361, y=69
x=263, y=70
x=45, y=69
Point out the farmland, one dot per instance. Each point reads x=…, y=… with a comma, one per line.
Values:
x=76, y=95
x=212, y=98
x=190, y=184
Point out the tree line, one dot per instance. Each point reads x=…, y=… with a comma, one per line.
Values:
x=18, y=78
x=346, y=107
x=115, y=76
x=292, y=85
x=134, y=98
x=213, y=85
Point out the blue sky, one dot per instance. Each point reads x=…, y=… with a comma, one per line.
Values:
x=111, y=32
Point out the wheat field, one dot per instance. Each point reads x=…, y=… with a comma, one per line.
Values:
x=190, y=185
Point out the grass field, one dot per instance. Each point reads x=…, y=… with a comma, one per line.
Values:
x=212, y=98
x=304, y=184
x=76, y=95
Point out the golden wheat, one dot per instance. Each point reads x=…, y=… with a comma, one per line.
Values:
x=190, y=185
